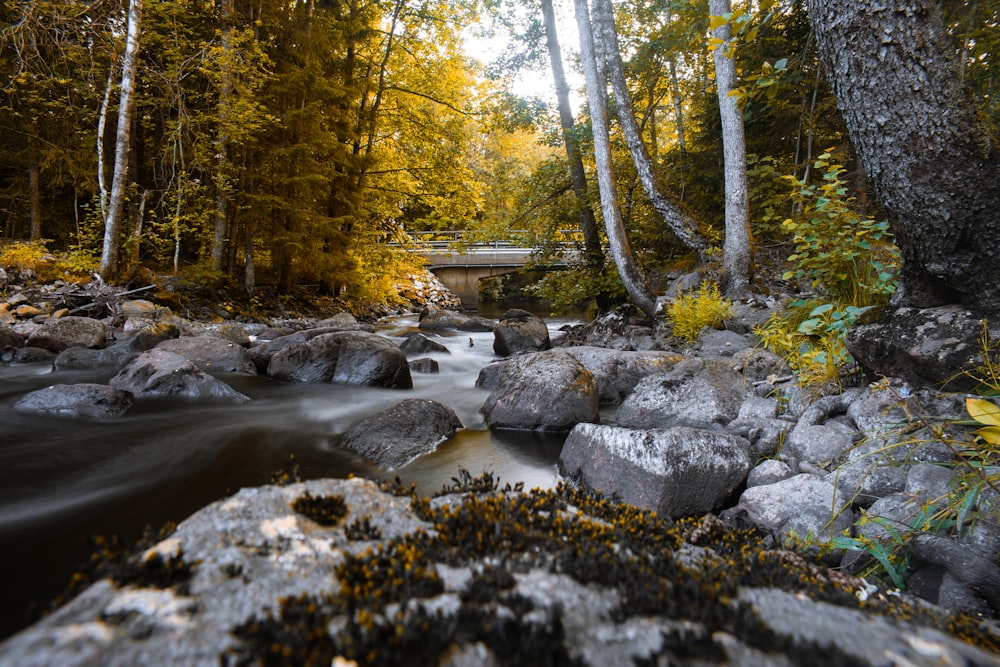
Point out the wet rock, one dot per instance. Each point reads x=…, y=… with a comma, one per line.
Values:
x=618, y=371
x=424, y=365
x=520, y=331
x=929, y=346
x=10, y=339
x=416, y=343
x=343, y=322
x=393, y=438
x=350, y=357
x=57, y=335
x=33, y=355
x=804, y=506
x=159, y=373
x=675, y=472
x=450, y=319
x=545, y=391
x=85, y=400
x=698, y=393
x=118, y=354
x=211, y=353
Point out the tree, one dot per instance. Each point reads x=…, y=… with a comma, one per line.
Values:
x=736, y=257
x=116, y=203
x=618, y=241
x=932, y=166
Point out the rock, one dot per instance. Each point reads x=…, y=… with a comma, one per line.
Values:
x=262, y=351
x=769, y=471
x=10, y=339
x=121, y=352
x=28, y=311
x=675, y=472
x=57, y=335
x=698, y=393
x=344, y=322
x=139, y=308
x=416, y=343
x=211, y=353
x=802, y=506
x=545, y=391
x=618, y=371
x=350, y=357
x=393, y=438
x=424, y=365
x=621, y=329
x=929, y=482
x=91, y=401
x=159, y=373
x=33, y=355
x=724, y=343
x=819, y=445
x=968, y=565
x=520, y=331
x=449, y=319
x=234, y=332
x=929, y=346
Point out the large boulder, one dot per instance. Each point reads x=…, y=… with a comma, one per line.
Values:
x=416, y=344
x=91, y=401
x=675, y=472
x=450, y=319
x=800, y=507
x=159, y=373
x=545, y=391
x=618, y=371
x=520, y=331
x=58, y=334
x=929, y=346
x=393, y=438
x=699, y=392
x=349, y=357
x=212, y=353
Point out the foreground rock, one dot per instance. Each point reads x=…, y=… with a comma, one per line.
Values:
x=338, y=572
x=546, y=391
x=520, y=331
x=676, y=472
x=350, y=357
x=86, y=400
x=159, y=373
x=399, y=435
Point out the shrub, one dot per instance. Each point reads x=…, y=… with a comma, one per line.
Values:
x=696, y=309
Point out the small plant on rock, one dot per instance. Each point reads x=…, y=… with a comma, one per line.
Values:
x=693, y=310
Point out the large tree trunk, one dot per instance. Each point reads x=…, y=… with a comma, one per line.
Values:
x=737, y=249
x=116, y=203
x=621, y=249
x=931, y=165
x=593, y=254
x=671, y=210
x=218, y=248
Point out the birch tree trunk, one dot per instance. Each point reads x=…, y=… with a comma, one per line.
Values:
x=676, y=216
x=736, y=250
x=593, y=255
x=932, y=166
x=116, y=202
x=621, y=249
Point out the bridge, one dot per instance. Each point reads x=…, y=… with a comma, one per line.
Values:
x=460, y=264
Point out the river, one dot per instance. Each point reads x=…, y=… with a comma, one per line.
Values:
x=63, y=480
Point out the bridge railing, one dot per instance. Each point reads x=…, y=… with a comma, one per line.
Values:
x=457, y=240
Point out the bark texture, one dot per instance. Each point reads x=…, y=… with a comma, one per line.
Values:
x=676, y=216
x=736, y=257
x=618, y=242
x=933, y=168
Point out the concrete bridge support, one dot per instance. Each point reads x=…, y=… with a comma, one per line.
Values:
x=463, y=280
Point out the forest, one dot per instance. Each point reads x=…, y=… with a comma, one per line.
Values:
x=277, y=144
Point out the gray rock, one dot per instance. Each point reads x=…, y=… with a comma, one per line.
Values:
x=120, y=353
x=424, y=365
x=767, y=472
x=699, y=393
x=273, y=341
x=820, y=445
x=929, y=482
x=520, y=331
x=33, y=355
x=757, y=364
x=10, y=339
x=804, y=506
x=211, y=353
x=344, y=321
x=350, y=357
x=766, y=436
x=757, y=407
x=58, y=334
x=963, y=561
x=140, y=308
x=676, y=472
x=889, y=517
x=929, y=346
x=722, y=343
x=449, y=319
x=618, y=371
x=158, y=373
x=416, y=343
x=545, y=391
x=90, y=401
x=393, y=438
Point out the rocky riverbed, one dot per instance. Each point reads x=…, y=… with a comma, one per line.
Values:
x=717, y=462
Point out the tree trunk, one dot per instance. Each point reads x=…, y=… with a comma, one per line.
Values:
x=674, y=214
x=930, y=163
x=34, y=188
x=116, y=203
x=621, y=249
x=737, y=249
x=593, y=254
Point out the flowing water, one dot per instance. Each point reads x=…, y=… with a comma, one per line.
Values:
x=63, y=480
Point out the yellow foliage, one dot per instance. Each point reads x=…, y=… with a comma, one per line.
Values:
x=693, y=310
